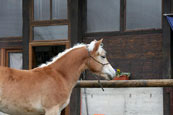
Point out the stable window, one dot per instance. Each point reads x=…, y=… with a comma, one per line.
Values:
x=50, y=9
x=12, y=57
x=49, y=20
x=11, y=18
x=143, y=14
x=119, y=16
x=103, y=15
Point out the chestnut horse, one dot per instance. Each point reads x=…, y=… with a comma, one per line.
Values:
x=47, y=88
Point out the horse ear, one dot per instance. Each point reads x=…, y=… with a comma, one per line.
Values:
x=97, y=44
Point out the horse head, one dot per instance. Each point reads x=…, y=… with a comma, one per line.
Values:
x=97, y=61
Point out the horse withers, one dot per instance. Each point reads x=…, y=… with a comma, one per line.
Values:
x=47, y=88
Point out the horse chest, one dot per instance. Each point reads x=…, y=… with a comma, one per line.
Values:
x=65, y=104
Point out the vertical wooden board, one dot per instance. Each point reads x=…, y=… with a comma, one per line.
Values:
x=167, y=55
x=2, y=57
x=26, y=31
x=75, y=20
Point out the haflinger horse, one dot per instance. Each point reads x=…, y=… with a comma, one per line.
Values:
x=47, y=88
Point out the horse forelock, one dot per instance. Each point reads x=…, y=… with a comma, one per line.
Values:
x=62, y=54
x=92, y=45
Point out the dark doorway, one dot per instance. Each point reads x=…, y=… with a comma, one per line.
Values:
x=42, y=54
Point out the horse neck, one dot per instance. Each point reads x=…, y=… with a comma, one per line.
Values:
x=72, y=64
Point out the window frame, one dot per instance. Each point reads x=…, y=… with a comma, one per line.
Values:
x=5, y=54
x=51, y=22
x=123, y=30
x=147, y=29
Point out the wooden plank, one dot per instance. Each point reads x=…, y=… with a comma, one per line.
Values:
x=49, y=43
x=11, y=43
x=50, y=22
x=133, y=32
x=125, y=83
x=2, y=57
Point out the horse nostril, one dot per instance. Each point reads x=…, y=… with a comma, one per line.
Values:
x=110, y=77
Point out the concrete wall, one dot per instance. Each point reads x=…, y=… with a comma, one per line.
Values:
x=123, y=101
x=3, y=113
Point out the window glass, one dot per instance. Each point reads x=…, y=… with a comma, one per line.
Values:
x=10, y=18
x=103, y=15
x=15, y=60
x=51, y=32
x=59, y=9
x=143, y=14
x=41, y=9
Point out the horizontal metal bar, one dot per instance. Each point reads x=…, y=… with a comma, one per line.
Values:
x=169, y=14
x=125, y=83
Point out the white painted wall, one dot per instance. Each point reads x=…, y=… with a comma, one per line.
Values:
x=3, y=113
x=123, y=101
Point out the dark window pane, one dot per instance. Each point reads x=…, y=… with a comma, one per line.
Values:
x=103, y=15
x=51, y=32
x=59, y=9
x=143, y=14
x=41, y=9
x=10, y=18
x=15, y=60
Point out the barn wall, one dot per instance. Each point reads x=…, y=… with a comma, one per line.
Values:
x=140, y=55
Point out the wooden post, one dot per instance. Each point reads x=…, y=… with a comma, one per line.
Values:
x=26, y=23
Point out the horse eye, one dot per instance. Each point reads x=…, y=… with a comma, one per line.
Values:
x=103, y=56
x=101, y=44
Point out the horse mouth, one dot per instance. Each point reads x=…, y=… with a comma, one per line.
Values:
x=106, y=76
x=110, y=77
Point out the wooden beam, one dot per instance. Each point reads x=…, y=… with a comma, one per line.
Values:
x=125, y=83
x=26, y=24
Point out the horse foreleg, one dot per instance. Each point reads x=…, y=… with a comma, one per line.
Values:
x=53, y=111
